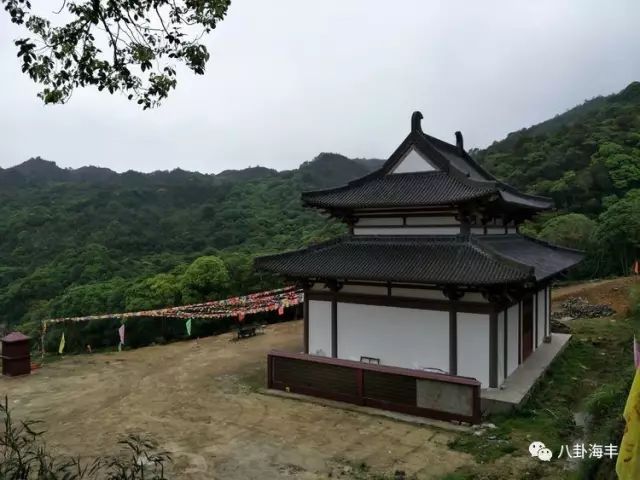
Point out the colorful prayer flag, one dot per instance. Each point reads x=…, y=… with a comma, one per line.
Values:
x=62, y=343
x=281, y=310
x=188, y=325
x=241, y=316
x=628, y=463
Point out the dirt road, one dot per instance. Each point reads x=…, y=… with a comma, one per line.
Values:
x=197, y=401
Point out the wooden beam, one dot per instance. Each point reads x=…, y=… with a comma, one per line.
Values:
x=453, y=338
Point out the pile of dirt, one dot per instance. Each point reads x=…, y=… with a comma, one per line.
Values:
x=613, y=292
x=579, y=307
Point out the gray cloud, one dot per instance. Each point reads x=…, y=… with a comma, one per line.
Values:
x=289, y=79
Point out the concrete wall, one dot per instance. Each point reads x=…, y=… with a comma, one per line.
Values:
x=320, y=328
x=406, y=230
x=473, y=346
x=403, y=337
x=542, y=318
x=513, y=322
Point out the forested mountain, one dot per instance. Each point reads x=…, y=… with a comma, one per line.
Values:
x=91, y=240
x=584, y=158
x=588, y=160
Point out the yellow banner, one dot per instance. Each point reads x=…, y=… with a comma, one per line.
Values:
x=628, y=463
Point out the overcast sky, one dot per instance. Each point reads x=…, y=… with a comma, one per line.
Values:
x=289, y=79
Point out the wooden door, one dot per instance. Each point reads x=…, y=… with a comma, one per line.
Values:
x=527, y=326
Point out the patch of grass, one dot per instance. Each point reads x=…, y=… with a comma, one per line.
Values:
x=582, y=378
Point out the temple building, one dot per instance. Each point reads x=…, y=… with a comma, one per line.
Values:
x=433, y=275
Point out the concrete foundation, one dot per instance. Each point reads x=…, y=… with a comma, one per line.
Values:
x=518, y=386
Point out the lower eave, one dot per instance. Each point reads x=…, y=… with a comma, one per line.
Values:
x=490, y=260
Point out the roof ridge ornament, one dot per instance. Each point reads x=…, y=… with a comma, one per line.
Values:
x=415, y=121
x=459, y=141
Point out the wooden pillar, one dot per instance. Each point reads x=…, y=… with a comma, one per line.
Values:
x=334, y=287
x=454, y=296
x=453, y=338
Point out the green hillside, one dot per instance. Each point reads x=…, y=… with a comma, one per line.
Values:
x=90, y=240
x=588, y=160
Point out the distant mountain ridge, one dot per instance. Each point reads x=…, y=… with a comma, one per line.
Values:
x=38, y=170
x=584, y=158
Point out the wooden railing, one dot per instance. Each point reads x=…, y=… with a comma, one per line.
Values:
x=415, y=392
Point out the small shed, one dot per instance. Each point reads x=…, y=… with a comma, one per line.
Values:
x=16, y=355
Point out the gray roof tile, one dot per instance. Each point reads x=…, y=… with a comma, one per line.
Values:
x=442, y=260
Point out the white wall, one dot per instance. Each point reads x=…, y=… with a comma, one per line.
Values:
x=541, y=316
x=501, y=332
x=433, y=220
x=320, y=328
x=473, y=346
x=402, y=337
x=513, y=340
x=406, y=230
x=413, y=162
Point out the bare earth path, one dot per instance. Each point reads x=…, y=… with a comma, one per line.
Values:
x=195, y=400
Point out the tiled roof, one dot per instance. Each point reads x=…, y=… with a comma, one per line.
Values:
x=443, y=260
x=457, y=178
x=401, y=190
x=546, y=259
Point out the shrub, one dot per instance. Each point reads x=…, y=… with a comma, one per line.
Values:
x=24, y=456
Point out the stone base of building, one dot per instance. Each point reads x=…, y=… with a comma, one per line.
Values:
x=519, y=385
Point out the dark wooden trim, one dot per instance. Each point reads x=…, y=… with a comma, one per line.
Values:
x=306, y=320
x=403, y=302
x=453, y=338
x=493, y=350
x=506, y=341
x=389, y=289
x=519, y=332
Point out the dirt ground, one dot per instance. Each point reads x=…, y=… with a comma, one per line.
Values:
x=199, y=401
x=613, y=292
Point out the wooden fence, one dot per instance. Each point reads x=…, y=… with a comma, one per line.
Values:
x=416, y=392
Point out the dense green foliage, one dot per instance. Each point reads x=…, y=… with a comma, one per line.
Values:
x=76, y=242
x=133, y=47
x=584, y=159
x=588, y=161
